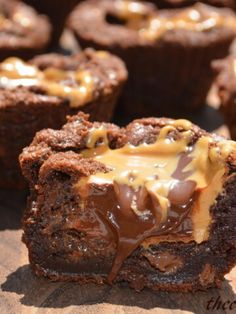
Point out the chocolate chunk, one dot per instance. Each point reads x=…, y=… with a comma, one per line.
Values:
x=181, y=192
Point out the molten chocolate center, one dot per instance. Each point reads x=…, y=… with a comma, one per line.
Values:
x=154, y=192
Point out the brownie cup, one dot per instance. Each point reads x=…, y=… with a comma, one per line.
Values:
x=42, y=92
x=57, y=11
x=152, y=204
x=226, y=87
x=23, y=32
x=167, y=52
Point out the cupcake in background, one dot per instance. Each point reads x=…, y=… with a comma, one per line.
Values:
x=168, y=52
x=42, y=92
x=226, y=87
x=57, y=11
x=23, y=32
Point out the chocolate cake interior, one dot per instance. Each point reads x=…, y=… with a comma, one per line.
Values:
x=145, y=204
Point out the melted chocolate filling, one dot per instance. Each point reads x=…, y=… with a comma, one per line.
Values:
x=134, y=222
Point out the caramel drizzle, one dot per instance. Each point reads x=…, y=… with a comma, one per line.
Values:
x=197, y=18
x=77, y=86
x=158, y=185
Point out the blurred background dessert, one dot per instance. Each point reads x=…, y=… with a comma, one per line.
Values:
x=23, y=32
x=168, y=53
x=226, y=88
x=41, y=93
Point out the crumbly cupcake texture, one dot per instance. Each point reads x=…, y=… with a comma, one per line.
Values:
x=151, y=204
x=42, y=92
x=20, y=34
x=167, y=52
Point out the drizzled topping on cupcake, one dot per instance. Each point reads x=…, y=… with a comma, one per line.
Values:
x=78, y=86
x=151, y=25
x=161, y=191
x=131, y=9
x=18, y=20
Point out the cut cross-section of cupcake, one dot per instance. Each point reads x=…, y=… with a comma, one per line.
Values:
x=152, y=204
x=167, y=52
x=42, y=92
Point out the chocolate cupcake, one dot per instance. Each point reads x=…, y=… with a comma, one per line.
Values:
x=23, y=33
x=226, y=85
x=40, y=94
x=167, y=52
x=152, y=204
x=57, y=11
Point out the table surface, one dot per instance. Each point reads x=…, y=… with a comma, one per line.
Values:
x=22, y=292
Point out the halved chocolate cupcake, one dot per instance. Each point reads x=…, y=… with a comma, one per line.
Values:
x=42, y=92
x=167, y=52
x=226, y=85
x=57, y=11
x=152, y=204
x=23, y=32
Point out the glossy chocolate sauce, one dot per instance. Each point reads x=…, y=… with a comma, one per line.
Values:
x=162, y=190
x=132, y=223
